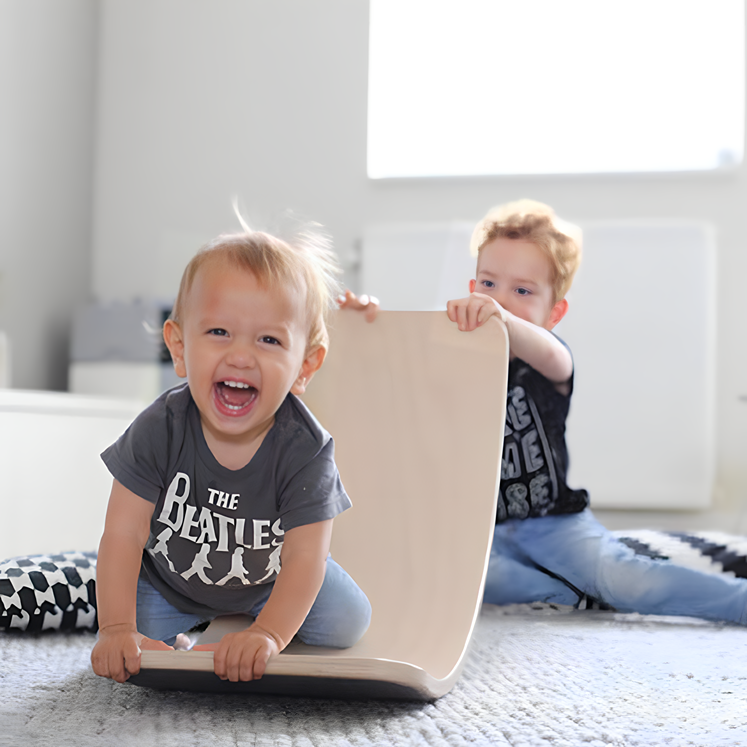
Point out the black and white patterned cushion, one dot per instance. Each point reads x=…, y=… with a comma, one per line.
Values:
x=49, y=592
x=709, y=552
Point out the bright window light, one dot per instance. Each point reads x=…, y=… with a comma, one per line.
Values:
x=479, y=87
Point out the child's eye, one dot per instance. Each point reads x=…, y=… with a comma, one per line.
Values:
x=270, y=340
x=488, y=283
x=219, y=332
x=523, y=291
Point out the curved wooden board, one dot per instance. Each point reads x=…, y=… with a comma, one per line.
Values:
x=417, y=411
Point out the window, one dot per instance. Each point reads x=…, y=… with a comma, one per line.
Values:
x=478, y=87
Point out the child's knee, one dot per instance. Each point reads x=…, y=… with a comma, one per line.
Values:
x=356, y=618
x=352, y=620
x=631, y=583
x=339, y=626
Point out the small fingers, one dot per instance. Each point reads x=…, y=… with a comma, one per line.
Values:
x=219, y=659
x=100, y=664
x=349, y=300
x=243, y=657
x=368, y=304
x=231, y=659
x=372, y=309
x=116, y=657
x=472, y=312
x=260, y=663
x=462, y=312
x=131, y=665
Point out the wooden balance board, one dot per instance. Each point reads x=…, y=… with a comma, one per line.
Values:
x=417, y=411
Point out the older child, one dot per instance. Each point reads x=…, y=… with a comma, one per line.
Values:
x=547, y=545
x=225, y=488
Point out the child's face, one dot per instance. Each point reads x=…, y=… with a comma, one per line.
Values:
x=517, y=274
x=242, y=348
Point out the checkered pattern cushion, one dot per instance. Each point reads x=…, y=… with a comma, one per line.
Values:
x=708, y=552
x=49, y=592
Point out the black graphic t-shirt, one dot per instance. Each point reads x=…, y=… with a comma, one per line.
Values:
x=535, y=456
x=216, y=534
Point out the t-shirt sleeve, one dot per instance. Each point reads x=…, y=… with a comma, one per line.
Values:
x=134, y=458
x=573, y=364
x=314, y=492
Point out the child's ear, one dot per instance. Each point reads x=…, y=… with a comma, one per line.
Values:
x=172, y=336
x=472, y=285
x=558, y=312
x=310, y=366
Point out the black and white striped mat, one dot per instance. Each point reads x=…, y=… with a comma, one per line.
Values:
x=710, y=552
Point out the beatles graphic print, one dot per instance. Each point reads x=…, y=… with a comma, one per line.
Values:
x=206, y=540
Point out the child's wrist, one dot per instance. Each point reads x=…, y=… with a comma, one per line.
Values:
x=117, y=627
x=271, y=634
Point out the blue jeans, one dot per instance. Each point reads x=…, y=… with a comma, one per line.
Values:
x=338, y=618
x=543, y=559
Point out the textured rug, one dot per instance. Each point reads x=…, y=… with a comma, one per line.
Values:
x=535, y=675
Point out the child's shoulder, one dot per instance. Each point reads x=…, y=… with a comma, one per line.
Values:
x=169, y=407
x=296, y=426
x=154, y=429
x=139, y=458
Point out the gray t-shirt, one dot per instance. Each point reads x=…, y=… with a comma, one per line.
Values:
x=216, y=534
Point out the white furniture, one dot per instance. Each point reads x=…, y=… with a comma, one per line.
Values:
x=53, y=485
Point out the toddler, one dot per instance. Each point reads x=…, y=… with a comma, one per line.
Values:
x=547, y=545
x=225, y=488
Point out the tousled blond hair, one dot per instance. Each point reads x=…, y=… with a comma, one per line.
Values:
x=537, y=223
x=305, y=263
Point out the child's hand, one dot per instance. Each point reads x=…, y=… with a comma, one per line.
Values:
x=117, y=651
x=473, y=311
x=369, y=305
x=243, y=656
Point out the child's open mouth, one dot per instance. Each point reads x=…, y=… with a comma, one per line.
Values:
x=234, y=396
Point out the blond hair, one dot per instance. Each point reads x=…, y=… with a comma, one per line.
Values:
x=537, y=223
x=305, y=263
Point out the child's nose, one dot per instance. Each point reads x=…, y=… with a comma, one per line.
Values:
x=241, y=355
x=502, y=298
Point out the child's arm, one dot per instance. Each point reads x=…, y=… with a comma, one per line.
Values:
x=244, y=655
x=535, y=345
x=117, y=651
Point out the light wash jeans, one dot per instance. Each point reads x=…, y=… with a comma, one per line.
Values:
x=338, y=618
x=555, y=558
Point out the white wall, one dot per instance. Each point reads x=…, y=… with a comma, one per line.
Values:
x=198, y=101
x=47, y=70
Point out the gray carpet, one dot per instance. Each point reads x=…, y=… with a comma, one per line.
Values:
x=534, y=676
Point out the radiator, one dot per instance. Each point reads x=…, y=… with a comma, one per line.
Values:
x=641, y=326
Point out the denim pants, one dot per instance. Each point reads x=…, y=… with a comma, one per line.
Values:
x=338, y=618
x=553, y=558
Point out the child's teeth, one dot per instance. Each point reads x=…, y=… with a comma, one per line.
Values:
x=236, y=384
